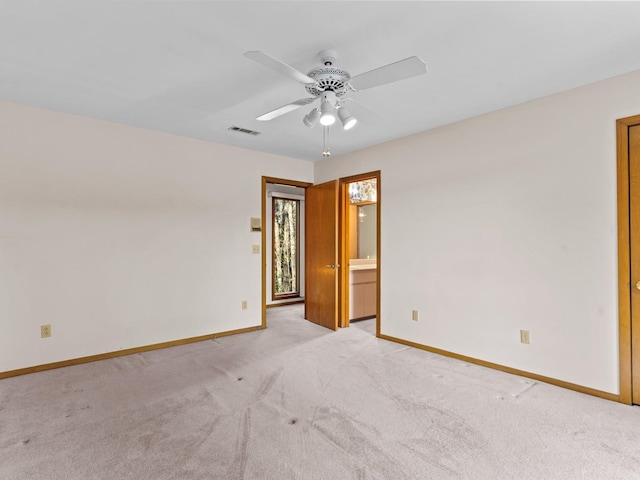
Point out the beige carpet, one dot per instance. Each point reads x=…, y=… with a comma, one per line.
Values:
x=297, y=401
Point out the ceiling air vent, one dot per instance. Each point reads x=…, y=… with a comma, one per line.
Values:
x=244, y=130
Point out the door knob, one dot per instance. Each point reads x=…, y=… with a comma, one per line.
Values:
x=638, y=285
x=334, y=265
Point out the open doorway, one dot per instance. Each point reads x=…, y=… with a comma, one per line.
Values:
x=283, y=230
x=360, y=252
x=285, y=233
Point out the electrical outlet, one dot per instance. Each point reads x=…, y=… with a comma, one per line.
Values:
x=414, y=315
x=244, y=304
x=524, y=336
x=255, y=249
x=45, y=331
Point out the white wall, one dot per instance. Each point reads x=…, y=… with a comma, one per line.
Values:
x=505, y=222
x=121, y=237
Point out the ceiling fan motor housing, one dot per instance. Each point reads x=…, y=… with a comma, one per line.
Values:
x=328, y=78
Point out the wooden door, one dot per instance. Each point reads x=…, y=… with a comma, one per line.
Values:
x=321, y=254
x=634, y=224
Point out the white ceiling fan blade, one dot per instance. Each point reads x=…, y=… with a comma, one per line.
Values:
x=409, y=67
x=278, y=66
x=290, y=107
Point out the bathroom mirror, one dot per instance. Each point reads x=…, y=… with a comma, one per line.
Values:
x=365, y=231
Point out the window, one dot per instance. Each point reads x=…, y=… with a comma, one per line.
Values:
x=285, y=248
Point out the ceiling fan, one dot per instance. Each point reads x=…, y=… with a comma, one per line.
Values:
x=331, y=84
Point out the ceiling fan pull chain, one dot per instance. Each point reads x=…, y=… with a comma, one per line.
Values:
x=325, y=139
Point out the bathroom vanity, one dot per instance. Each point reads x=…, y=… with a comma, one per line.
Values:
x=362, y=288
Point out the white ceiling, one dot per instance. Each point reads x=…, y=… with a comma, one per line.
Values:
x=178, y=66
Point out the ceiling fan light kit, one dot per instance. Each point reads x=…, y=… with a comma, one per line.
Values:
x=330, y=84
x=348, y=121
x=311, y=118
x=328, y=109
